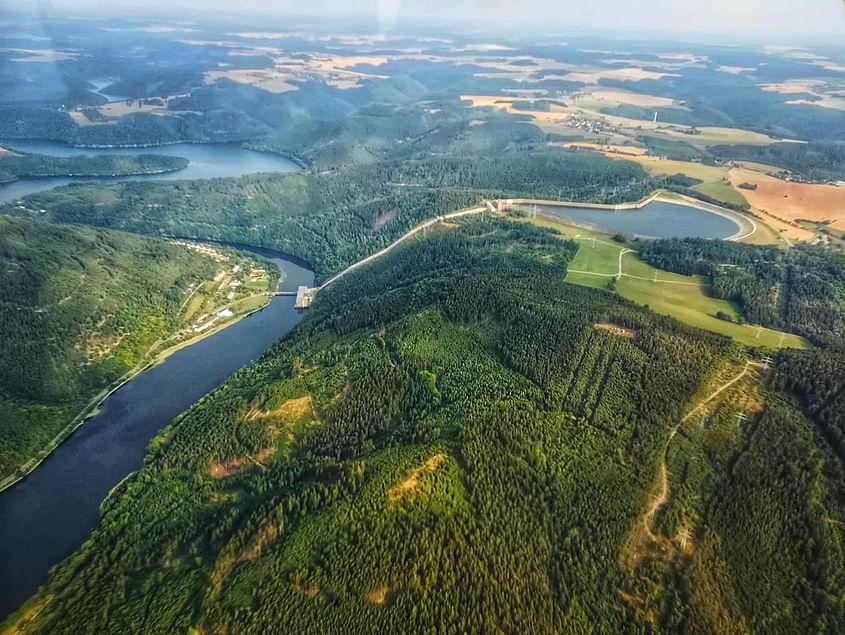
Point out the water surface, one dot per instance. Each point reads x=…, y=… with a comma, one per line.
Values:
x=206, y=161
x=658, y=219
x=47, y=516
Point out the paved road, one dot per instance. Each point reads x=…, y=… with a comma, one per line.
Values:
x=401, y=239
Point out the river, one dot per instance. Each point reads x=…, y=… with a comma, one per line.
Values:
x=206, y=161
x=48, y=515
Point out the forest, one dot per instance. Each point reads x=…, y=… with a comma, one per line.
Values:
x=14, y=165
x=817, y=160
x=79, y=307
x=453, y=439
x=333, y=218
x=801, y=290
x=449, y=444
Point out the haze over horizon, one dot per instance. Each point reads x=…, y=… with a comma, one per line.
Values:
x=755, y=19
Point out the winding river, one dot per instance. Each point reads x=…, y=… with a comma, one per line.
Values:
x=49, y=514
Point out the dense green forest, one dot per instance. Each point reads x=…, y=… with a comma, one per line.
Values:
x=761, y=503
x=134, y=130
x=78, y=308
x=453, y=440
x=14, y=165
x=449, y=444
x=448, y=431
x=333, y=218
x=801, y=289
x=815, y=160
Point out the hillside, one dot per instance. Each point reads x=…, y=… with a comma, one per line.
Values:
x=334, y=218
x=80, y=308
x=801, y=289
x=455, y=439
x=14, y=165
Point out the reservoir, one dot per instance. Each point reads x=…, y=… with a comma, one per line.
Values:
x=206, y=161
x=48, y=515
x=658, y=219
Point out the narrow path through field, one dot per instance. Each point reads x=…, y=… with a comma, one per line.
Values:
x=620, y=273
x=663, y=478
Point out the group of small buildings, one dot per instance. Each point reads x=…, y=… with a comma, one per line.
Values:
x=305, y=296
x=205, y=250
x=585, y=124
x=203, y=322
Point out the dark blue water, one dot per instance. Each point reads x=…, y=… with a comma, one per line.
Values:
x=659, y=219
x=48, y=515
x=206, y=161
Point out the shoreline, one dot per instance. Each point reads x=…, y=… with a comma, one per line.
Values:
x=94, y=404
x=92, y=408
x=746, y=227
x=18, y=177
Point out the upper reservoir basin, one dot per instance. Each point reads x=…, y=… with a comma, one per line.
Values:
x=658, y=219
x=206, y=161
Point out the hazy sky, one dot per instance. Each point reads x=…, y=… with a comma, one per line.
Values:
x=803, y=18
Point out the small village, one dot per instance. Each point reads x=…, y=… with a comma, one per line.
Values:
x=236, y=290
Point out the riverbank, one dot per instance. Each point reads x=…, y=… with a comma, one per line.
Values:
x=150, y=360
x=205, y=161
x=70, y=175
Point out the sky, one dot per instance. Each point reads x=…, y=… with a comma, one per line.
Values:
x=803, y=19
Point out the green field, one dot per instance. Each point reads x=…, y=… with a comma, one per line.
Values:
x=257, y=285
x=597, y=255
x=721, y=191
x=252, y=303
x=681, y=297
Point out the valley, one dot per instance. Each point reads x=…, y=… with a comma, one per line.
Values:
x=370, y=322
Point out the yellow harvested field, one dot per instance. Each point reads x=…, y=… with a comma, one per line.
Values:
x=830, y=66
x=718, y=136
x=787, y=230
x=39, y=55
x=551, y=121
x=793, y=201
x=759, y=167
x=615, y=149
x=332, y=68
x=658, y=166
x=556, y=115
x=121, y=108
x=791, y=86
x=635, y=99
x=485, y=47
x=836, y=103
x=828, y=96
x=79, y=118
x=633, y=74
x=689, y=58
x=735, y=70
x=269, y=80
x=494, y=101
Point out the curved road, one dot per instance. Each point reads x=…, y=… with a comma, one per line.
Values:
x=663, y=496
x=401, y=239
